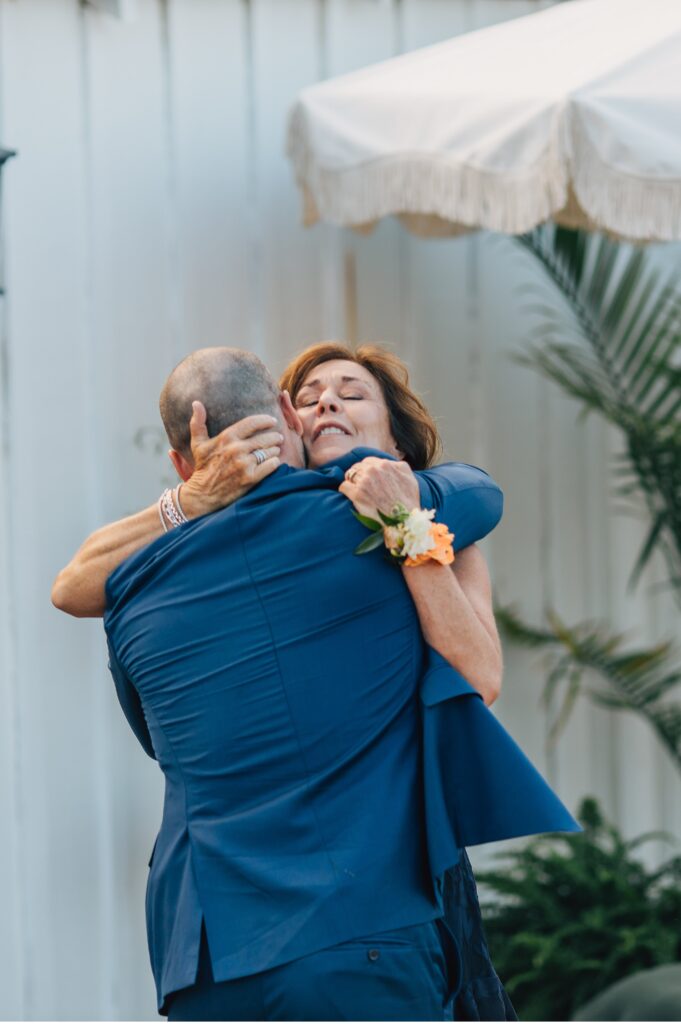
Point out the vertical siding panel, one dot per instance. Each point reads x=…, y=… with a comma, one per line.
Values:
x=443, y=282
x=89, y=639
x=516, y=423
x=663, y=622
x=285, y=56
x=14, y=889
x=14, y=886
x=527, y=468
x=55, y=702
x=213, y=195
x=593, y=487
x=636, y=755
x=361, y=32
x=334, y=241
x=135, y=315
x=663, y=614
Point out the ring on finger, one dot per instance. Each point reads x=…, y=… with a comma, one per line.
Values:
x=350, y=475
x=260, y=456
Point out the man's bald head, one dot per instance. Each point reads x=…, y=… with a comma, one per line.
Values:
x=230, y=382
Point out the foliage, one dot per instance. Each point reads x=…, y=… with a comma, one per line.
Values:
x=573, y=913
x=625, y=366
x=617, y=352
x=636, y=680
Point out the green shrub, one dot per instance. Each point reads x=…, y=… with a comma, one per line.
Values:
x=573, y=913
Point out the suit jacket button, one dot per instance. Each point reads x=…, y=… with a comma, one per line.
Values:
x=373, y=954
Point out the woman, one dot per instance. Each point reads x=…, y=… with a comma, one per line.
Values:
x=344, y=400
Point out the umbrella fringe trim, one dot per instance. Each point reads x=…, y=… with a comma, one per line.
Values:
x=432, y=195
x=635, y=208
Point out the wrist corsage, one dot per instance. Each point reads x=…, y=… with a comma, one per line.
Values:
x=410, y=537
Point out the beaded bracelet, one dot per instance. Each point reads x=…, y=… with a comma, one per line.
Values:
x=169, y=506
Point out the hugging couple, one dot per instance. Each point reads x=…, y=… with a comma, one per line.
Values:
x=314, y=682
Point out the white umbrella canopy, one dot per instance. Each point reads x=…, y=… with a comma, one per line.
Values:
x=572, y=113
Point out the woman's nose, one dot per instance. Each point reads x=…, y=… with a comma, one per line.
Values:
x=329, y=402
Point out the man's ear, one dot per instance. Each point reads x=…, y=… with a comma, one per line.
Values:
x=291, y=417
x=182, y=465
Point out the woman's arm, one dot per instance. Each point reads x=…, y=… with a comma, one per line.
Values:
x=454, y=603
x=224, y=470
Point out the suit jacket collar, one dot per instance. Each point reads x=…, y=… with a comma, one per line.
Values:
x=343, y=462
x=286, y=479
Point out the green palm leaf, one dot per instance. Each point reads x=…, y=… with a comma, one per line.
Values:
x=624, y=319
x=638, y=680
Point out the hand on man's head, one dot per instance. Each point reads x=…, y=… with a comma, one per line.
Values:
x=226, y=466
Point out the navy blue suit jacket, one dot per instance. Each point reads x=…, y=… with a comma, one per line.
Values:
x=316, y=753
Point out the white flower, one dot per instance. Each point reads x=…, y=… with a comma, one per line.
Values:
x=417, y=536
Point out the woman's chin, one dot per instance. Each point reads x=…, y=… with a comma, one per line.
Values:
x=324, y=450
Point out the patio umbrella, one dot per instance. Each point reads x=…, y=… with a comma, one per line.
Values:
x=572, y=113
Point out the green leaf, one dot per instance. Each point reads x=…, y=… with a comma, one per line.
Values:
x=374, y=541
x=622, y=318
x=639, y=680
x=389, y=520
x=371, y=524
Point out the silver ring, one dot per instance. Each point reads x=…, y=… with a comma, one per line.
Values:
x=260, y=456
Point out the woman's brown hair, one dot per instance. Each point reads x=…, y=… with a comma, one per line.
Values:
x=411, y=424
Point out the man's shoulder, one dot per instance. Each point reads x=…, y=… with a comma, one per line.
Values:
x=177, y=550
x=145, y=563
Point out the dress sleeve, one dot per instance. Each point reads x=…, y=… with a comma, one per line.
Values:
x=464, y=497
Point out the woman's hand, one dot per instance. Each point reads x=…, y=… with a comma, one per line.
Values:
x=375, y=483
x=225, y=467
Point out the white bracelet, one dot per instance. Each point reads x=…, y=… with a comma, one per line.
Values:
x=160, y=516
x=177, y=503
x=168, y=506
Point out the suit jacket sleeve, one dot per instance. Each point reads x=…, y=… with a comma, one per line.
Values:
x=129, y=700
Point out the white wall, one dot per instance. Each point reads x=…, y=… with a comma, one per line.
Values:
x=150, y=210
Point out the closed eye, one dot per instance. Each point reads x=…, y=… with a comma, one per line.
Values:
x=346, y=398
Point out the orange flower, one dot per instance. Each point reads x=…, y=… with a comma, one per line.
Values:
x=441, y=551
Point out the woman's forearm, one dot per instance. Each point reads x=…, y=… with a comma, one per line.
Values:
x=223, y=470
x=451, y=624
x=454, y=603
x=79, y=587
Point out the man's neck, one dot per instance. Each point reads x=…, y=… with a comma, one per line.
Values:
x=292, y=450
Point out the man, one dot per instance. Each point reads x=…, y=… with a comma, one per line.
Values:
x=274, y=675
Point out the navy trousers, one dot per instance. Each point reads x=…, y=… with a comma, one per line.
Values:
x=408, y=973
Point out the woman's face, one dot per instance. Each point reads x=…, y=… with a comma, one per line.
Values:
x=341, y=406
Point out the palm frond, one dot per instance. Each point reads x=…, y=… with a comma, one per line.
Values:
x=627, y=319
x=639, y=680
